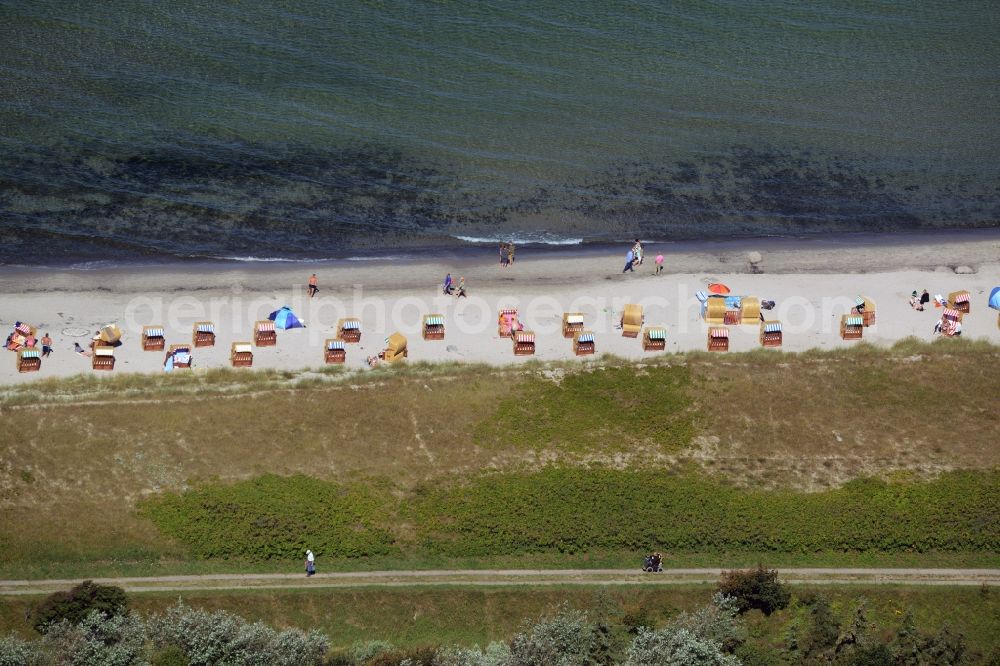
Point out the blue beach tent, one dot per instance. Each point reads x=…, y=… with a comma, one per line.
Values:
x=285, y=318
x=995, y=298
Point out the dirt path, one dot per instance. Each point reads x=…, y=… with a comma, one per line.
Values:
x=504, y=578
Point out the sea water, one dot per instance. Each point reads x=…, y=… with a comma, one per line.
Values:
x=132, y=129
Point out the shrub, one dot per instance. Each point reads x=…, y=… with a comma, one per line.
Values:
x=77, y=603
x=274, y=517
x=115, y=640
x=755, y=588
x=676, y=647
x=15, y=651
x=562, y=639
x=418, y=656
x=495, y=654
x=363, y=652
x=170, y=656
x=221, y=637
x=823, y=628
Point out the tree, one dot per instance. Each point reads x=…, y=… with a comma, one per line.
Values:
x=76, y=604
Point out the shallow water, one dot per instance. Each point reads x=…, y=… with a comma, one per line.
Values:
x=307, y=130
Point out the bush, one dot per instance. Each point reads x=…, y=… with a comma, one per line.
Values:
x=563, y=639
x=418, y=656
x=170, y=656
x=275, y=517
x=755, y=588
x=676, y=647
x=77, y=603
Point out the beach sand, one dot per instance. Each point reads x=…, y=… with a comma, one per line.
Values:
x=813, y=284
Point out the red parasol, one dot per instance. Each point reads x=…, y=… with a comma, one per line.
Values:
x=718, y=288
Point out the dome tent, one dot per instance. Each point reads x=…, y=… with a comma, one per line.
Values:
x=285, y=318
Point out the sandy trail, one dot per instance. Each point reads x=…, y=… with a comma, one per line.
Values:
x=505, y=578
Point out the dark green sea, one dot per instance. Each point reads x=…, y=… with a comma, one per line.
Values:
x=136, y=130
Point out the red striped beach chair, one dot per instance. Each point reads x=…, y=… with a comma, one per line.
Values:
x=959, y=300
x=718, y=339
x=264, y=334
x=524, y=343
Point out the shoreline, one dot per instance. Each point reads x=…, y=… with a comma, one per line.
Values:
x=463, y=251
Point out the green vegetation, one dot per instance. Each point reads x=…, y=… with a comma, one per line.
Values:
x=274, y=516
x=75, y=604
x=757, y=589
x=578, y=510
x=422, y=462
x=585, y=412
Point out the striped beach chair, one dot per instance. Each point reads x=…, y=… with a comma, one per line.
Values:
x=959, y=300
x=654, y=338
x=572, y=323
x=524, y=343
x=583, y=343
x=203, y=334
x=103, y=358
x=770, y=333
x=349, y=329
x=334, y=351
x=241, y=355
x=852, y=326
x=433, y=327
x=29, y=360
x=152, y=338
x=264, y=333
x=718, y=339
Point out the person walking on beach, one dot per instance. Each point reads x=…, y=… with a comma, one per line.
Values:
x=659, y=264
x=629, y=260
x=313, y=289
x=637, y=252
x=504, y=255
x=46, y=345
x=310, y=563
x=510, y=253
x=460, y=292
x=448, y=287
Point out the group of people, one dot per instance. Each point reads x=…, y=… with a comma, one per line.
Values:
x=506, y=254
x=919, y=302
x=451, y=289
x=635, y=256
x=23, y=337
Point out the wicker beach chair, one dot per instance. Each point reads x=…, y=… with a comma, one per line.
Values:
x=524, y=343
x=654, y=338
x=866, y=308
x=749, y=310
x=203, y=334
x=852, y=326
x=103, y=358
x=152, y=338
x=395, y=348
x=770, y=333
x=631, y=321
x=433, y=327
x=241, y=355
x=349, y=329
x=507, y=322
x=264, y=333
x=713, y=310
x=181, y=354
x=572, y=323
x=29, y=360
x=583, y=343
x=959, y=300
x=334, y=351
x=718, y=339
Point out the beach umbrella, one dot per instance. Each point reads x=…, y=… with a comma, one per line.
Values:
x=110, y=333
x=718, y=288
x=285, y=318
x=995, y=298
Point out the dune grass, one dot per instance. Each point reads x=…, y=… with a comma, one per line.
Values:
x=80, y=454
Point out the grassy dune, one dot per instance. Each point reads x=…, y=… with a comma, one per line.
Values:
x=81, y=455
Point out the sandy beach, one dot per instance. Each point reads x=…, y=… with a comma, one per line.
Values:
x=812, y=283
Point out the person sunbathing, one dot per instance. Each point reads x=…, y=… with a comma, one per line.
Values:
x=915, y=302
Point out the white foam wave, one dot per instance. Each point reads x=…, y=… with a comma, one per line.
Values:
x=522, y=239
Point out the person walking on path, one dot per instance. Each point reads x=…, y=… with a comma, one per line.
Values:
x=313, y=289
x=310, y=563
x=46, y=345
x=659, y=264
x=629, y=260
